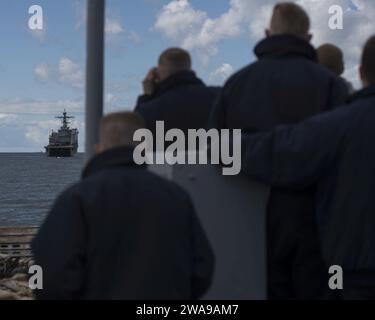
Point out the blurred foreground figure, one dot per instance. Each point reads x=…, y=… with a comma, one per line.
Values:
x=336, y=152
x=286, y=85
x=174, y=94
x=122, y=232
x=332, y=57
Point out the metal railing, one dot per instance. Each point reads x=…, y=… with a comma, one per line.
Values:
x=16, y=242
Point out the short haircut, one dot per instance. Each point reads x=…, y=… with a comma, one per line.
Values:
x=117, y=129
x=368, y=60
x=331, y=57
x=175, y=59
x=290, y=19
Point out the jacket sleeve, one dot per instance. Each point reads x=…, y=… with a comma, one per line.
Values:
x=59, y=249
x=295, y=156
x=218, y=113
x=203, y=258
x=339, y=93
x=143, y=99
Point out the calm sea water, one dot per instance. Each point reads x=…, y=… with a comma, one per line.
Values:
x=30, y=182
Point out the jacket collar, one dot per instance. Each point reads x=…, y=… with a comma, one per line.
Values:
x=118, y=157
x=364, y=93
x=180, y=78
x=282, y=46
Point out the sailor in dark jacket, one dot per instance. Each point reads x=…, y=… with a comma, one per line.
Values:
x=336, y=152
x=122, y=232
x=175, y=95
x=285, y=86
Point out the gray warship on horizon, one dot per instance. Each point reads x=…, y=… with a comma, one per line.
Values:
x=64, y=142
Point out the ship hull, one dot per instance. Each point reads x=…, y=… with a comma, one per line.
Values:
x=60, y=152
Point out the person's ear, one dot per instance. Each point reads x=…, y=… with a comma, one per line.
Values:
x=157, y=74
x=98, y=148
x=362, y=76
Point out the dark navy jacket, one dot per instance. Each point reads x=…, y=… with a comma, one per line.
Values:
x=336, y=152
x=123, y=233
x=285, y=86
x=182, y=101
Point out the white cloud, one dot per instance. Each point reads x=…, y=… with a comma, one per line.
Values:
x=193, y=29
x=352, y=75
x=134, y=37
x=6, y=118
x=35, y=135
x=70, y=73
x=358, y=24
x=66, y=72
x=42, y=72
x=80, y=10
x=221, y=74
x=116, y=32
x=113, y=27
x=179, y=18
x=111, y=98
x=181, y=23
x=23, y=106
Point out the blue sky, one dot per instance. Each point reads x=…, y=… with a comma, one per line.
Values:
x=43, y=72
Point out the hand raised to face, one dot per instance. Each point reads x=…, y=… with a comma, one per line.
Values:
x=150, y=81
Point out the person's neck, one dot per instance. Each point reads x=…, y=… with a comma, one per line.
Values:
x=305, y=37
x=365, y=84
x=176, y=73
